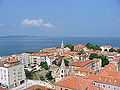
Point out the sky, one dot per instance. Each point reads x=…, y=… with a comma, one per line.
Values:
x=72, y=18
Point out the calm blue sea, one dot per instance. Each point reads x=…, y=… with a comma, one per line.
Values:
x=18, y=44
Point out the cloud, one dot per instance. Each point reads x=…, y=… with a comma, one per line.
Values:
x=37, y=22
x=48, y=25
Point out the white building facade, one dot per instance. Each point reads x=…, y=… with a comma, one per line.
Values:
x=11, y=74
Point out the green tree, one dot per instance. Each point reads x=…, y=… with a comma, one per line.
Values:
x=97, y=47
x=29, y=74
x=104, y=60
x=54, y=62
x=38, y=89
x=90, y=46
x=66, y=62
x=93, y=56
x=42, y=78
x=81, y=51
x=112, y=50
x=44, y=65
x=70, y=46
x=118, y=50
x=49, y=76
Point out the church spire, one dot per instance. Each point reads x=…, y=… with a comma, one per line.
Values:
x=62, y=45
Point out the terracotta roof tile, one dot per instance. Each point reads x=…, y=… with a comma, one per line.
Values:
x=81, y=64
x=11, y=60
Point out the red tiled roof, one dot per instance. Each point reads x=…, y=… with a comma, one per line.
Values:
x=39, y=54
x=76, y=83
x=84, y=70
x=3, y=89
x=81, y=64
x=11, y=60
x=79, y=47
x=107, y=46
x=103, y=79
x=107, y=75
x=73, y=82
x=107, y=70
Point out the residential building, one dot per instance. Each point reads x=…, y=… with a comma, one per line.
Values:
x=83, y=72
x=79, y=47
x=108, y=78
x=24, y=58
x=107, y=48
x=37, y=58
x=78, y=64
x=11, y=73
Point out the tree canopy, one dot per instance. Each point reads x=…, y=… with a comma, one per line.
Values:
x=29, y=74
x=96, y=47
x=70, y=46
x=104, y=60
x=54, y=62
x=49, y=76
x=44, y=65
x=66, y=62
x=38, y=89
x=90, y=46
x=102, y=57
x=93, y=56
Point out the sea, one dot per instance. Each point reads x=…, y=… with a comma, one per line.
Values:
x=18, y=44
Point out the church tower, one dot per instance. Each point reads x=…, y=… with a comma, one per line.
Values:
x=62, y=49
x=62, y=70
x=62, y=45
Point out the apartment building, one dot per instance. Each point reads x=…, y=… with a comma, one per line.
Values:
x=11, y=73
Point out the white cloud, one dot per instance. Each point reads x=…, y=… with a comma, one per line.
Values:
x=48, y=25
x=37, y=22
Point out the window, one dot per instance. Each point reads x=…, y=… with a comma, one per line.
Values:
x=62, y=71
x=103, y=85
x=4, y=71
x=60, y=88
x=66, y=89
x=1, y=77
x=61, y=75
x=114, y=88
x=109, y=87
x=98, y=84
